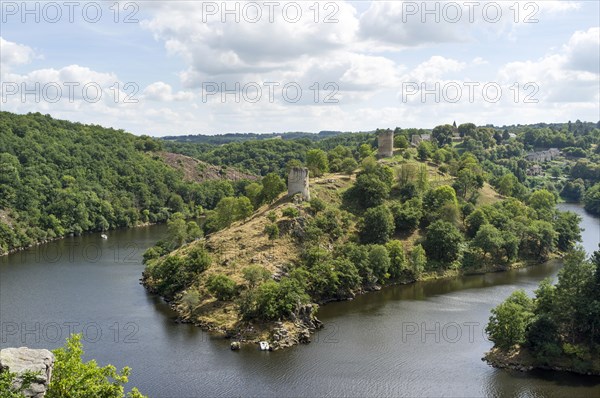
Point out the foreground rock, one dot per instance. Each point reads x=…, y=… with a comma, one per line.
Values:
x=23, y=359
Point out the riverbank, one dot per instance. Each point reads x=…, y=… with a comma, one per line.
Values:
x=220, y=318
x=520, y=359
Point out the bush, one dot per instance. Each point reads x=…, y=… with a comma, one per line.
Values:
x=13, y=385
x=271, y=216
x=407, y=215
x=221, y=286
x=348, y=166
x=198, y=260
x=272, y=231
x=290, y=212
x=317, y=205
x=272, y=300
x=255, y=274
x=72, y=378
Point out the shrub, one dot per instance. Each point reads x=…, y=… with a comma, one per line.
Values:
x=198, y=260
x=317, y=205
x=271, y=216
x=72, y=378
x=221, y=286
x=255, y=274
x=272, y=231
x=290, y=212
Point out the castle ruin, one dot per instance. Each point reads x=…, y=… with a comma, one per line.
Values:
x=385, y=143
x=298, y=182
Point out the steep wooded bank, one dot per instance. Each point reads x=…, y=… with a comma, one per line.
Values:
x=59, y=178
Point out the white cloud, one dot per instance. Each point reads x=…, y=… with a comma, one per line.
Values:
x=583, y=52
x=160, y=91
x=571, y=75
x=213, y=48
x=13, y=54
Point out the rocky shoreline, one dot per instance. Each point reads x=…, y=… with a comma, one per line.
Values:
x=282, y=334
x=520, y=360
x=299, y=329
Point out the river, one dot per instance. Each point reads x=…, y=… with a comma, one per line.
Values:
x=424, y=339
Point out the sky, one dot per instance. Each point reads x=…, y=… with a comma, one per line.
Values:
x=209, y=67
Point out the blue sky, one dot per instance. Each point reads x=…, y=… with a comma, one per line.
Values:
x=173, y=56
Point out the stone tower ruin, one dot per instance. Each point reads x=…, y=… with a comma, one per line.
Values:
x=385, y=141
x=298, y=182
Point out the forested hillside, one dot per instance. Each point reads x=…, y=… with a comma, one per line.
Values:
x=267, y=155
x=59, y=178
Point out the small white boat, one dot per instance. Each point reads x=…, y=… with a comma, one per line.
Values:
x=264, y=346
x=104, y=236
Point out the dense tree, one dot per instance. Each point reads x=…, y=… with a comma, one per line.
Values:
x=370, y=190
x=228, y=211
x=539, y=240
x=221, y=286
x=418, y=260
x=348, y=166
x=566, y=225
x=442, y=241
x=273, y=185
x=489, y=240
x=365, y=150
x=377, y=226
x=573, y=190
x=467, y=184
x=407, y=215
x=424, y=150
x=317, y=162
x=253, y=192
x=474, y=221
x=440, y=201
x=467, y=129
x=506, y=184
x=509, y=321
x=543, y=202
x=443, y=134
x=592, y=200
x=379, y=260
x=398, y=263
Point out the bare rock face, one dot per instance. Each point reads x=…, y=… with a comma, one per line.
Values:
x=20, y=360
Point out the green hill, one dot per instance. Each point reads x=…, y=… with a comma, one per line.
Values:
x=59, y=178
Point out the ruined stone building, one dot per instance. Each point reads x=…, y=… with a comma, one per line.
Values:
x=298, y=182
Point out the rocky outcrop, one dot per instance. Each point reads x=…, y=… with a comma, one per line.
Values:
x=519, y=359
x=304, y=324
x=23, y=359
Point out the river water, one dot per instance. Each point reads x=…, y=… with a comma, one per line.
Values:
x=424, y=339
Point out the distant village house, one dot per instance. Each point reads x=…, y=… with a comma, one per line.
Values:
x=543, y=156
x=416, y=139
x=535, y=170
